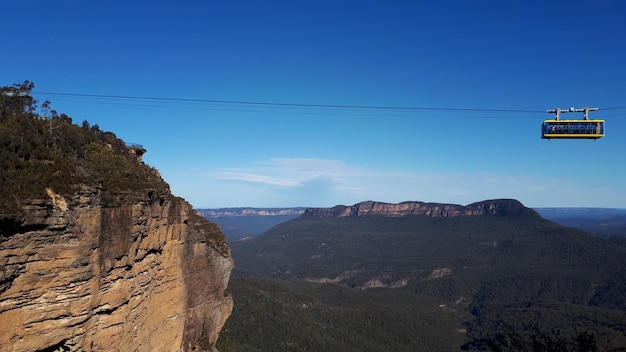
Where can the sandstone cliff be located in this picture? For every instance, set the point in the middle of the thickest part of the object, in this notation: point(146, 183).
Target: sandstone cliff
point(497, 207)
point(75, 275)
point(96, 254)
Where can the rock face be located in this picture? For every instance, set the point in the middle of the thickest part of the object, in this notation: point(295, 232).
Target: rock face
point(497, 207)
point(80, 274)
point(242, 212)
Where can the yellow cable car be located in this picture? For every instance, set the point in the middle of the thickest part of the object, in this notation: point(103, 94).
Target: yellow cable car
point(591, 129)
point(580, 129)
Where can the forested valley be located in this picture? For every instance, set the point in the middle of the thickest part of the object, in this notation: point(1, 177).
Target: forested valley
point(510, 282)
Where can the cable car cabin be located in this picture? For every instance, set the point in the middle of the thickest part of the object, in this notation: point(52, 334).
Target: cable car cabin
point(591, 129)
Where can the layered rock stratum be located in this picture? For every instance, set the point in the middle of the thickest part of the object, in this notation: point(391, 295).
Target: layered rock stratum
point(149, 275)
point(496, 207)
point(96, 254)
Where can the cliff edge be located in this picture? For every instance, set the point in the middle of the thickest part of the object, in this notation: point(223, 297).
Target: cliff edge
point(496, 207)
point(95, 252)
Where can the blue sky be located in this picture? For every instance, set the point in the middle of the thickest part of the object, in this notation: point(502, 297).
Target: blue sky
point(465, 58)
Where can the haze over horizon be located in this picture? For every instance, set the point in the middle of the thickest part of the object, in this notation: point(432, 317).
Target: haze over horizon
point(316, 104)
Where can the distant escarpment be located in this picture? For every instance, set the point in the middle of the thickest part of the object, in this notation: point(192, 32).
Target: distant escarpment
point(497, 207)
point(490, 276)
point(246, 212)
point(96, 254)
point(238, 223)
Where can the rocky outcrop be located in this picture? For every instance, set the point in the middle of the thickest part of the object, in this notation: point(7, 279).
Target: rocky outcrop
point(240, 212)
point(497, 207)
point(80, 274)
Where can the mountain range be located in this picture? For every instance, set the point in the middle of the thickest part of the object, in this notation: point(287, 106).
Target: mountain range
point(488, 276)
point(247, 221)
point(243, 222)
point(601, 221)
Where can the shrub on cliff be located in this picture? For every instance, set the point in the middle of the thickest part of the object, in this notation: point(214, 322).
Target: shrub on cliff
point(41, 149)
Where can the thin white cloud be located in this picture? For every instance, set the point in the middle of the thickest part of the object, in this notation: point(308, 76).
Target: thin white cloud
point(335, 182)
point(254, 178)
point(284, 182)
point(288, 172)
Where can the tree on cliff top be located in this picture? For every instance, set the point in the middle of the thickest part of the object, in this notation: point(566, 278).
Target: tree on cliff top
point(41, 149)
